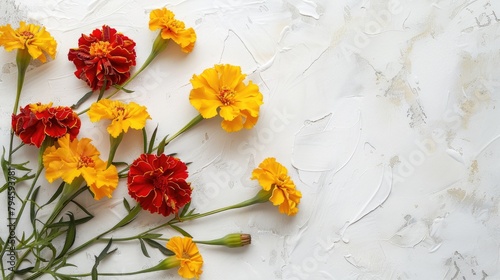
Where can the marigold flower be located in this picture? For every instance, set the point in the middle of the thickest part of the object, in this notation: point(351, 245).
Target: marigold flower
point(221, 90)
point(123, 116)
point(104, 57)
point(187, 253)
point(72, 159)
point(273, 177)
point(34, 38)
point(159, 184)
point(38, 121)
point(172, 29)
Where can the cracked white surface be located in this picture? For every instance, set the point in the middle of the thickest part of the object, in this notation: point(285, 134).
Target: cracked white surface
point(384, 112)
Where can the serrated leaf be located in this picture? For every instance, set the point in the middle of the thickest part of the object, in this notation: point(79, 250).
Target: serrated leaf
point(152, 141)
point(158, 246)
point(82, 100)
point(144, 249)
point(181, 231)
point(70, 236)
point(21, 166)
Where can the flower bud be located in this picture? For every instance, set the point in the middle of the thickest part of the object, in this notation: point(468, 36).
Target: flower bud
point(231, 240)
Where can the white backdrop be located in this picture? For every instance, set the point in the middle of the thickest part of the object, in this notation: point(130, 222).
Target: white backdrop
point(384, 112)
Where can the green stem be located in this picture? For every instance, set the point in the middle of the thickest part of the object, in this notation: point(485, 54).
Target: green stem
point(23, 59)
point(114, 143)
point(261, 197)
point(188, 126)
point(158, 46)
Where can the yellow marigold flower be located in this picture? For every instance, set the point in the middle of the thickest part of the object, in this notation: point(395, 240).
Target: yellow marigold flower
point(273, 177)
point(28, 36)
point(221, 89)
point(123, 116)
point(172, 29)
point(72, 159)
point(187, 254)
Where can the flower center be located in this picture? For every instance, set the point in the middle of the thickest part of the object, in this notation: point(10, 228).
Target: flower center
point(185, 255)
point(85, 161)
point(226, 95)
point(27, 35)
point(99, 49)
point(39, 107)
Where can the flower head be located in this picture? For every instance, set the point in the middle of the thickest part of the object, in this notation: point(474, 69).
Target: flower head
point(72, 159)
point(273, 177)
point(123, 116)
point(104, 57)
point(172, 29)
point(34, 38)
point(187, 253)
point(38, 121)
point(159, 184)
point(221, 90)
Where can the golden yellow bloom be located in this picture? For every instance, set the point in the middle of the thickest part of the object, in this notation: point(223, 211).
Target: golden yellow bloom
point(72, 159)
point(28, 36)
point(172, 29)
point(123, 116)
point(187, 253)
point(273, 177)
point(221, 90)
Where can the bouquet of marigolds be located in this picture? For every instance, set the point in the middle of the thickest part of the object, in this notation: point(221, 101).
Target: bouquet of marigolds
point(68, 166)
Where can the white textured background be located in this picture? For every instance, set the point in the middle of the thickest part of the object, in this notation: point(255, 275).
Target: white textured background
point(384, 112)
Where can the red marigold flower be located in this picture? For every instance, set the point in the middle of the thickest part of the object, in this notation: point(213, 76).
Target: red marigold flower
point(104, 56)
point(37, 121)
point(159, 184)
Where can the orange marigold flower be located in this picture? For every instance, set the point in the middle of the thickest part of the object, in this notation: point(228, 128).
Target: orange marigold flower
point(34, 38)
point(159, 184)
point(273, 177)
point(221, 90)
point(72, 159)
point(172, 29)
point(104, 57)
point(188, 255)
point(38, 121)
point(123, 116)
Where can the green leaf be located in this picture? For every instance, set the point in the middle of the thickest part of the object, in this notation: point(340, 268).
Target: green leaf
point(82, 100)
point(152, 141)
point(126, 204)
point(144, 139)
point(130, 217)
point(158, 246)
point(24, 270)
point(185, 209)
point(32, 206)
point(70, 236)
point(143, 249)
point(56, 194)
point(181, 231)
point(161, 146)
point(104, 253)
point(151, 235)
point(21, 166)
point(122, 88)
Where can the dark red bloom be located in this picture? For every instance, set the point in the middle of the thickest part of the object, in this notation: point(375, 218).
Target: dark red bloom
point(37, 121)
point(103, 56)
point(159, 184)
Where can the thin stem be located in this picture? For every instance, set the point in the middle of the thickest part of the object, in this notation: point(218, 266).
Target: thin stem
point(190, 124)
